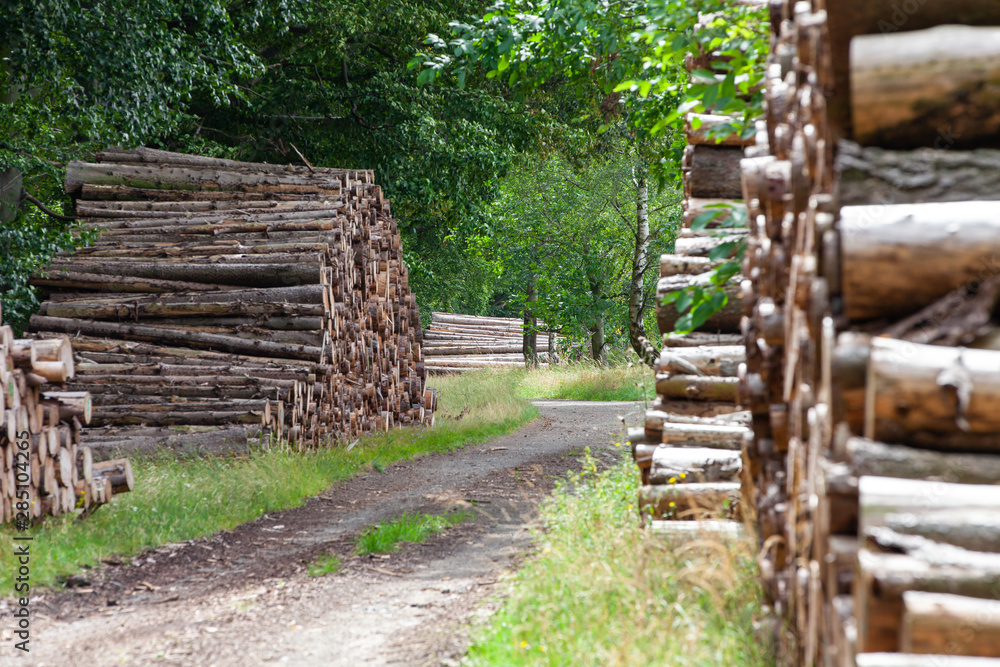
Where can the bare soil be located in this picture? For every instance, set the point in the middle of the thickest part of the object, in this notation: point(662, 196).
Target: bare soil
point(242, 597)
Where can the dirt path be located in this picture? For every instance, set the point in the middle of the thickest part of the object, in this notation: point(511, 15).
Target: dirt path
point(242, 597)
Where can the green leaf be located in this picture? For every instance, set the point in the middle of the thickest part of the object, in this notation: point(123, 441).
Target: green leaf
point(722, 251)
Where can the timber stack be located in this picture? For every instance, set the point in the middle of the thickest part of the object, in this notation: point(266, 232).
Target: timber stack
point(873, 347)
point(455, 343)
point(689, 451)
point(223, 297)
point(40, 426)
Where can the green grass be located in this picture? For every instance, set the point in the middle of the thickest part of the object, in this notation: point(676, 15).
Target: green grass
point(589, 382)
point(387, 535)
point(176, 500)
point(602, 591)
point(324, 565)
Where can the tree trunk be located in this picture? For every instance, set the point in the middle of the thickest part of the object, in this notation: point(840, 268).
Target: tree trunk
point(529, 347)
point(636, 286)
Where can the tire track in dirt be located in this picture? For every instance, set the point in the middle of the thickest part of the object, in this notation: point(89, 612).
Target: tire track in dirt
point(242, 598)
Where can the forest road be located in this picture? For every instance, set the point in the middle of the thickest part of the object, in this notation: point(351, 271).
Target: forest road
point(242, 597)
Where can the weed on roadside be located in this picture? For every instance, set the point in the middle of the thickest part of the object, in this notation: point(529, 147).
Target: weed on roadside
point(324, 565)
point(603, 591)
point(386, 536)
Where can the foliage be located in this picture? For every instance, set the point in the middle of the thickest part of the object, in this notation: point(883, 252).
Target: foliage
point(603, 591)
point(567, 223)
point(324, 565)
point(231, 491)
point(631, 54)
point(387, 535)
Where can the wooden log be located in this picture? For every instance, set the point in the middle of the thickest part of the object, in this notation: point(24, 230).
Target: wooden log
point(180, 178)
point(727, 320)
point(702, 246)
point(181, 442)
point(968, 528)
point(883, 579)
point(699, 338)
point(248, 275)
point(714, 361)
point(71, 404)
point(716, 436)
point(688, 501)
point(867, 457)
point(695, 387)
point(119, 472)
point(962, 317)
point(879, 176)
point(712, 172)
point(686, 465)
point(678, 265)
point(956, 389)
point(161, 335)
point(706, 528)
point(909, 87)
point(951, 243)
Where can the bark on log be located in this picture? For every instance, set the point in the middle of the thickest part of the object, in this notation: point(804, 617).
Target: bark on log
point(707, 360)
point(699, 339)
point(712, 172)
point(878, 17)
point(686, 465)
point(677, 265)
point(245, 275)
point(160, 335)
point(933, 396)
point(908, 88)
point(868, 457)
point(879, 176)
point(695, 207)
point(694, 387)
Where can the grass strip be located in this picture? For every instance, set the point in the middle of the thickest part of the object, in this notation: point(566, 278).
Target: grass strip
point(622, 381)
point(602, 591)
point(386, 536)
point(176, 500)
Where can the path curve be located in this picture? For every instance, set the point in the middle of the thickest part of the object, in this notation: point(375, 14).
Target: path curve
point(241, 597)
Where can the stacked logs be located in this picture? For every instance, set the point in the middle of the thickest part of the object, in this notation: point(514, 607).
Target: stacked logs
point(688, 452)
point(43, 469)
point(222, 297)
point(454, 343)
point(872, 354)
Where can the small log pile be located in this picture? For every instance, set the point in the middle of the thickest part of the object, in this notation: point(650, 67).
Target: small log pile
point(688, 452)
point(454, 343)
point(44, 471)
point(872, 371)
point(222, 296)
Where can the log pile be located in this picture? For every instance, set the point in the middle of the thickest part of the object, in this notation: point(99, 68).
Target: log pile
point(455, 343)
point(222, 296)
point(688, 452)
point(44, 471)
point(872, 359)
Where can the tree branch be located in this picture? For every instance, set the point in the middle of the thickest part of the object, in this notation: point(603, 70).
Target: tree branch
point(45, 209)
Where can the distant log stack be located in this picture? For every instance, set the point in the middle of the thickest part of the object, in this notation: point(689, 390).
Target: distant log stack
point(44, 471)
point(874, 459)
point(222, 297)
point(688, 452)
point(455, 343)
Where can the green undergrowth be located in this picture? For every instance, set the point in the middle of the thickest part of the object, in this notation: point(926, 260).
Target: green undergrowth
point(326, 564)
point(602, 591)
point(386, 536)
point(589, 382)
point(176, 500)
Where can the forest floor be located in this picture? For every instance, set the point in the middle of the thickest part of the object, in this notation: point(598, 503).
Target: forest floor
point(242, 597)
